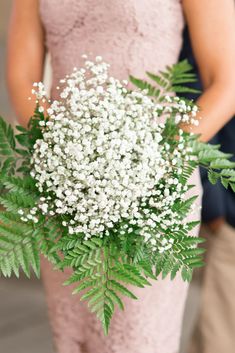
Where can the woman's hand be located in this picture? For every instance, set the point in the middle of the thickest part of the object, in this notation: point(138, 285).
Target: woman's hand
point(25, 56)
point(212, 30)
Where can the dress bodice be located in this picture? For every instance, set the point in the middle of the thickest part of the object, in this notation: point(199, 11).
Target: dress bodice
point(134, 36)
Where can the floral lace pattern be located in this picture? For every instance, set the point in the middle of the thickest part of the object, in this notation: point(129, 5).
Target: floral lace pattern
point(152, 324)
point(135, 36)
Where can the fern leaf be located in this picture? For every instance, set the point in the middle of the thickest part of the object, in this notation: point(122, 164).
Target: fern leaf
point(32, 253)
point(168, 266)
point(96, 297)
point(106, 317)
point(125, 277)
point(115, 298)
point(183, 207)
point(120, 288)
point(186, 274)
point(161, 81)
point(144, 85)
point(90, 293)
point(22, 256)
point(175, 270)
point(13, 201)
point(82, 286)
point(221, 164)
point(97, 307)
point(7, 144)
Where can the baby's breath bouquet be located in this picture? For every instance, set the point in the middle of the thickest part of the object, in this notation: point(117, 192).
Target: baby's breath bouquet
point(98, 183)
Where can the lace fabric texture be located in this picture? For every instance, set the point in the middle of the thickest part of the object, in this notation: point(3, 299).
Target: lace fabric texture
point(134, 36)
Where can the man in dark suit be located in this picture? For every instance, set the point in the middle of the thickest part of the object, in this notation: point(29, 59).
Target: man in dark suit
point(215, 327)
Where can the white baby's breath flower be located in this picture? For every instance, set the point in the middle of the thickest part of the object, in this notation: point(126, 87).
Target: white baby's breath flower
point(101, 157)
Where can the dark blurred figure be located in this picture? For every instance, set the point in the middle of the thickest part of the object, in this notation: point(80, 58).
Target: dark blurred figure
point(215, 327)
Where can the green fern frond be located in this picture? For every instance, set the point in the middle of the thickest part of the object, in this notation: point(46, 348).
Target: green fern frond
point(187, 273)
point(173, 79)
point(215, 161)
point(23, 186)
point(103, 276)
point(183, 207)
point(144, 85)
point(7, 148)
point(13, 201)
point(17, 249)
point(7, 139)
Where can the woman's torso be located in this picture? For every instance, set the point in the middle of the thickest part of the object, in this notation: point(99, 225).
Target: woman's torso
point(134, 36)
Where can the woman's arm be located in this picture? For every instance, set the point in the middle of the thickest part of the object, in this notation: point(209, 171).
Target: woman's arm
point(212, 30)
point(25, 56)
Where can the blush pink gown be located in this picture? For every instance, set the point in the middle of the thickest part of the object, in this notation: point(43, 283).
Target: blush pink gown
point(133, 36)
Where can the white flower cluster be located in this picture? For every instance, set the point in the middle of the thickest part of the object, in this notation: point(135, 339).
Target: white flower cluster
point(101, 152)
point(185, 113)
point(25, 217)
point(102, 157)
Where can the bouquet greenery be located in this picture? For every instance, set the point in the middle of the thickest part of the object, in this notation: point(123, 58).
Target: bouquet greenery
point(98, 183)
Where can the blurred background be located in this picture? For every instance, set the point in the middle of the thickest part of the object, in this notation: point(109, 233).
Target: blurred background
point(24, 325)
point(4, 16)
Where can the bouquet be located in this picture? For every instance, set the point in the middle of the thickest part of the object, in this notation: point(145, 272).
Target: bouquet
point(98, 183)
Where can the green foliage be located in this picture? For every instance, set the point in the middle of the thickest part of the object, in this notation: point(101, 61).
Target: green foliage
point(7, 148)
point(183, 207)
point(18, 248)
point(21, 243)
point(184, 256)
point(173, 79)
point(27, 138)
point(22, 186)
point(106, 270)
point(217, 163)
point(104, 276)
point(144, 85)
point(15, 149)
point(7, 144)
point(18, 193)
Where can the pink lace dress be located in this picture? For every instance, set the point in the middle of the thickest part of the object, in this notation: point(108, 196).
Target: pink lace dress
point(134, 36)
